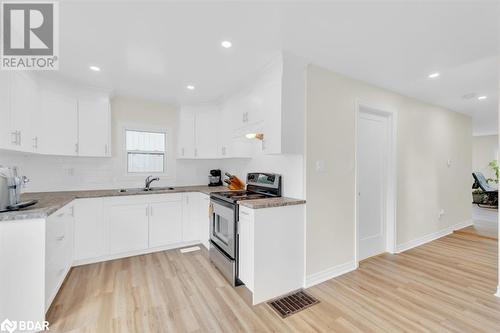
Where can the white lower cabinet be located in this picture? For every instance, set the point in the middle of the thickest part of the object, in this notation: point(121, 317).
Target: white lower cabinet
point(190, 223)
point(204, 218)
point(105, 228)
point(246, 243)
point(127, 227)
point(165, 222)
point(271, 250)
point(58, 251)
point(90, 237)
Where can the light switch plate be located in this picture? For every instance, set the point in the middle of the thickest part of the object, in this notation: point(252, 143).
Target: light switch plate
point(320, 166)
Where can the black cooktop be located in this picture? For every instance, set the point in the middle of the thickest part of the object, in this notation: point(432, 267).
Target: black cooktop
point(235, 196)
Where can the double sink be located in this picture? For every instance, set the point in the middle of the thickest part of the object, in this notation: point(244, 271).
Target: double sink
point(151, 189)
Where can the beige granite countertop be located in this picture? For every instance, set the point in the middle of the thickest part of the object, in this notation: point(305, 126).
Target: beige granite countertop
point(271, 202)
point(50, 202)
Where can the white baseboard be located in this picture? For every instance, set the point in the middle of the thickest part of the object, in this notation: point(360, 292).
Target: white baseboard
point(329, 273)
point(133, 253)
point(498, 291)
point(430, 237)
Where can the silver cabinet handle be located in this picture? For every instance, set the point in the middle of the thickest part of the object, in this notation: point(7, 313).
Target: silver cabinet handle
point(76, 148)
point(19, 137)
point(35, 142)
point(13, 137)
point(73, 211)
point(106, 149)
point(60, 238)
point(182, 151)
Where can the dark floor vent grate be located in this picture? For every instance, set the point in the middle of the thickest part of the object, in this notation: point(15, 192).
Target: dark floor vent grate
point(293, 303)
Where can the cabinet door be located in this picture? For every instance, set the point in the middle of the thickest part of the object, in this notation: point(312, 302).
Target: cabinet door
point(7, 137)
point(245, 265)
point(93, 127)
point(204, 219)
point(90, 237)
point(206, 127)
point(186, 134)
point(60, 127)
point(127, 227)
point(190, 225)
point(24, 104)
point(165, 223)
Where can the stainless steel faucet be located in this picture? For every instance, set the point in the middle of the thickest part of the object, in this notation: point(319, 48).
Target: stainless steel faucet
point(149, 180)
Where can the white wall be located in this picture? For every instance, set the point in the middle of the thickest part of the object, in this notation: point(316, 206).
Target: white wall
point(427, 137)
point(484, 150)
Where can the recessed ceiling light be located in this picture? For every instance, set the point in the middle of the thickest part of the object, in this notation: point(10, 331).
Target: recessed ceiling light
point(190, 87)
point(226, 44)
point(434, 75)
point(482, 97)
point(95, 68)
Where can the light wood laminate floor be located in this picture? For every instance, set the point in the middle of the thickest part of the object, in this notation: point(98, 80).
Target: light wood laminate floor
point(444, 286)
point(480, 231)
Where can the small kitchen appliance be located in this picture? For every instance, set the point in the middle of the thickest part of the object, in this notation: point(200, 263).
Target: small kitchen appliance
point(215, 178)
point(10, 190)
point(224, 210)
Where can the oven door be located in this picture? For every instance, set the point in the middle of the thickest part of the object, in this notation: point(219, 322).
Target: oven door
point(223, 226)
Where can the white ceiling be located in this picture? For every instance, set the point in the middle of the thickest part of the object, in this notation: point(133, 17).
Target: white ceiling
point(154, 49)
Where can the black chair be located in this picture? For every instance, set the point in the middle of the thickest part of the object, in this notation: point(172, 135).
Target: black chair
point(490, 191)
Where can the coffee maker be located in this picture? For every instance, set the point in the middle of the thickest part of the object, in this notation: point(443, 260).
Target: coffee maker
point(215, 178)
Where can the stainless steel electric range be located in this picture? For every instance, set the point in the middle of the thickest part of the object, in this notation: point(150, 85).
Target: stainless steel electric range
point(224, 220)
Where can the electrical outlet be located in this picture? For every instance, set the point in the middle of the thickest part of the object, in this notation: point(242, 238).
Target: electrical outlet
point(441, 213)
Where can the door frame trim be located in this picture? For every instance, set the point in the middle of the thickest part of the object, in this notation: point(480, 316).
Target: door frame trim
point(391, 185)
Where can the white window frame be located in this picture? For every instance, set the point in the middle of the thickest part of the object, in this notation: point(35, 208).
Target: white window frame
point(126, 151)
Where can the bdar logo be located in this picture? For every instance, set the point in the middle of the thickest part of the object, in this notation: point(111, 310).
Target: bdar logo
point(8, 326)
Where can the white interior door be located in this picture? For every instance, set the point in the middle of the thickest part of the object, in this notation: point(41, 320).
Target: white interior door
point(373, 132)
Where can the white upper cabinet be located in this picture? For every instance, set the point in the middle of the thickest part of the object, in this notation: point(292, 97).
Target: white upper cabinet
point(198, 127)
point(186, 131)
point(94, 119)
point(60, 124)
point(46, 121)
point(272, 104)
point(229, 145)
point(206, 128)
point(7, 137)
point(23, 105)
